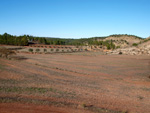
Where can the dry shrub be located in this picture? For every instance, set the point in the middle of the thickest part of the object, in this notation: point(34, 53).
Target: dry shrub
point(5, 53)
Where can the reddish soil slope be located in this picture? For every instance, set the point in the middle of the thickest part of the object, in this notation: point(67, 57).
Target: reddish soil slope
point(86, 82)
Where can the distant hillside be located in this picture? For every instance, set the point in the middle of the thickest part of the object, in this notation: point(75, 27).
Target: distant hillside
point(145, 43)
point(139, 47)
point(123, 40)
point(109, 42)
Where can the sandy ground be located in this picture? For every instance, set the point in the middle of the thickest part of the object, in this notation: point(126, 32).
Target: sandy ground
point(75, 82)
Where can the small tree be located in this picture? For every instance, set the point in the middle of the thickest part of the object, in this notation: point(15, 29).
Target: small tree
point(57, 50)
point(45, 50)
point(134, 44)
point(85, 49)
point(37, 50)
point(120, 53)
point(24, 41)
point(108, 46)
point(117, 47)
point(30, 50)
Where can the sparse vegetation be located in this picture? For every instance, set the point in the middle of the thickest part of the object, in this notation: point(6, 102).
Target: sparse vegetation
point(140, 97)
point(120, 35)
point(22, 90)
point(83, 105)
point(117, 47)
point(1, 66)
point(124, 111)
point(146, 40)
point(42, 80)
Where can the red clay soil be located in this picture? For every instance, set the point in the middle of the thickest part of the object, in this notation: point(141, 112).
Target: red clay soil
point(31, 108)
point(113, 82)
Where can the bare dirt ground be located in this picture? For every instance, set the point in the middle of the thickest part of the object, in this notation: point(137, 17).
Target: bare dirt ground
point(75, 83)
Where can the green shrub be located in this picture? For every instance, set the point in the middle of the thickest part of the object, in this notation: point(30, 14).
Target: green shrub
point(85, 49)
point(30, 50)
point(45, 50)
point(108, 47)
point(57, 50)
point(117, 47)
point(84, 105)
point(120, 53)
point(134, 44)
point(37, 50)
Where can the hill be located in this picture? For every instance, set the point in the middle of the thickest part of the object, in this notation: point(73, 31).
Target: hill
point(140, 48)
point(145, 43)
point(124, 40)
point(111, 42)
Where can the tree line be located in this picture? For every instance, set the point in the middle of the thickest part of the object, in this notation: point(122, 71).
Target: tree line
point(108, 43)
point(25, 40)
point(120, 35)
point(13, 40)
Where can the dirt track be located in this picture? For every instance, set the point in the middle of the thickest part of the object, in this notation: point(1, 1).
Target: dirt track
point(83, 81)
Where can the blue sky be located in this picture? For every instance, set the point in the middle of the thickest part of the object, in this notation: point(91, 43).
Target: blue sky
point(75, 18)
